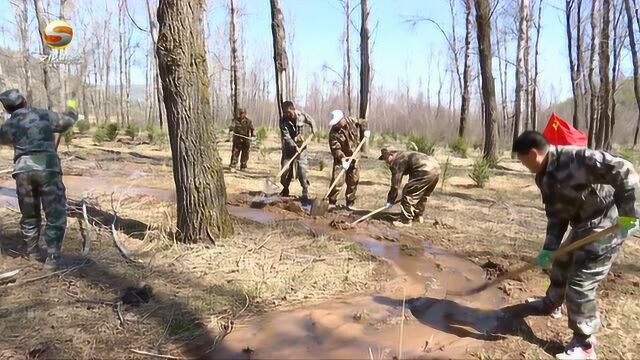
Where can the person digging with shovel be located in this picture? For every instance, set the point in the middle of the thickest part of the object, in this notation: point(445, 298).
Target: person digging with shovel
point(345, 135)
point(589, 190)
point(292, 125)
point(424, 173)
point(37, 171)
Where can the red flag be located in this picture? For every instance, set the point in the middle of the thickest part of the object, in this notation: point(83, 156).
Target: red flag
point(559, 132)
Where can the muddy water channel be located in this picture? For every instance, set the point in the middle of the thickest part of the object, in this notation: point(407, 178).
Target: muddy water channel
point(355, 326)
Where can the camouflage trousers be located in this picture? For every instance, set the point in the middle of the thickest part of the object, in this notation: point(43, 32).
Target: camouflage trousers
point(351, 177)
point(36, 190)
point(297, 169)
point(576, 276)
point(241, 146)
point(416, 191)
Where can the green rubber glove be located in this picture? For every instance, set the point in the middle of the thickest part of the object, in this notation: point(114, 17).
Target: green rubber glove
point(544, 258)
point(628, 225)
point(72, 104)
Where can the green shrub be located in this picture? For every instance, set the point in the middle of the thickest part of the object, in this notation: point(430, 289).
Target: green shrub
point(112, 131)
point(322, 135)
point(156, 135)
point(628, 154)
point(261, 134)
point(100, 135)
point(132, 131)
point(459, 147)
point(445, 171)
point(480, 172)
point(68, 136)
point(83, 126)
point(418, 143)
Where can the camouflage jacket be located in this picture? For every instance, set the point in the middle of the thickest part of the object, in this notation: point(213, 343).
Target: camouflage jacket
point(30, 131)
point(343, 141)
point(580, 185)
point(409, 163)
point(243, 127)
point(290, 129)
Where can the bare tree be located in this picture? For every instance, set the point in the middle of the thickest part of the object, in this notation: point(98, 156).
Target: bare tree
point(605, 83)
point(636, 66)
point(534, 90)
point(466, 77)
point(22, 20)
point(42, 24)
point(233, 44)
point(502, 72)
point(617, 49)
point(483, 23)
point(153, 32)
point(365, 66)
point(121, 62)
point(200, 188)
point(279, 54)
point(593, 109)
point(574, 60)
point(346, 5)
point(523, 35)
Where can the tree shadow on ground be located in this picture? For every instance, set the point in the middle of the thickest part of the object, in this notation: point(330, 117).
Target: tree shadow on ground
point(464, 321)
point(98, 217)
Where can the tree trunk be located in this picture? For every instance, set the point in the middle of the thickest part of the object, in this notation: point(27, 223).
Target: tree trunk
point(636, 66)
point(592, 65)
point(617, 49)
point(22, 19)
point(502, 72)
point(347, 33)
point(233, 43)
point(574, 60)
point(365, 66)
point(466, 74)
point(519, 110)
point(42, 24)
point(534, 92)
point(200, 188)
point(483, 21)
point(153, 31)
point(121, 65)
point(279, 54)
point(605, 84)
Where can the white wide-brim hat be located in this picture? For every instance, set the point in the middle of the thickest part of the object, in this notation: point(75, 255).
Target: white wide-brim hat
point(335, 117)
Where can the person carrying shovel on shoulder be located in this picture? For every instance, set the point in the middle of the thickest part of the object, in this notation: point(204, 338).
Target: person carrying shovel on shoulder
point(590, 190)
point(243, 133)
point(423, 171)
point(345, 135)
point(37, 171)
point(292, 126)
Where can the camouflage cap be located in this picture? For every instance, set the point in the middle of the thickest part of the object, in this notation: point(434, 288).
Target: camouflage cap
point(386, 150)
point(11, 98)
point(242, 111)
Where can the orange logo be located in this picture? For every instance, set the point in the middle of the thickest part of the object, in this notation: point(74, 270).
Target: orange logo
point(555, 125)
point(58, 34)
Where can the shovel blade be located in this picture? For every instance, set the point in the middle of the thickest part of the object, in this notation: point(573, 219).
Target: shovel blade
point(270, 187)
point(319, 207)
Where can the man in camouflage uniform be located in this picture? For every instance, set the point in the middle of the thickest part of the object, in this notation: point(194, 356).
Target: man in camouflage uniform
point(587, 189)
point(37, 171)
point(423, 171)
point(345, 135)
point(242, 132)
point(292, 125)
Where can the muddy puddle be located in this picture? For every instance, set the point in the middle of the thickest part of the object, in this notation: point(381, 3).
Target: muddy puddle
point(360, 326)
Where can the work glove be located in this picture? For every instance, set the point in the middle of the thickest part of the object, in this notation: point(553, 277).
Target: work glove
point(628, 226)
point(346, 164)
point(72, 104)
point(544, 258)
point(367, 134)
point(388, 205)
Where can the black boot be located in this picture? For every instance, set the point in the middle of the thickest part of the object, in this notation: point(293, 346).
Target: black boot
point(284, 192)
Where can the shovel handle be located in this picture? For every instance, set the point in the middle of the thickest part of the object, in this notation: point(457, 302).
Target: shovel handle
point(335, 181)
point(369, 215)
point(561, 251)
point(286, 166)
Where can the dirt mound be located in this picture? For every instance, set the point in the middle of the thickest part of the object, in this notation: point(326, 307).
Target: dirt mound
point(493, 270)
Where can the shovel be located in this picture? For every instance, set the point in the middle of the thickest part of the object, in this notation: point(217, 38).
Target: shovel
point(369, 215)
point(242, 136)
point(561, 251)
point(320, 207)
point(270, 186)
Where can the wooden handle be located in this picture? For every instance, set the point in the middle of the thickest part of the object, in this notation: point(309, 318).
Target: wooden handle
point(335, 181)
point(369, 215)
point(286, 166)
point(561, 251)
